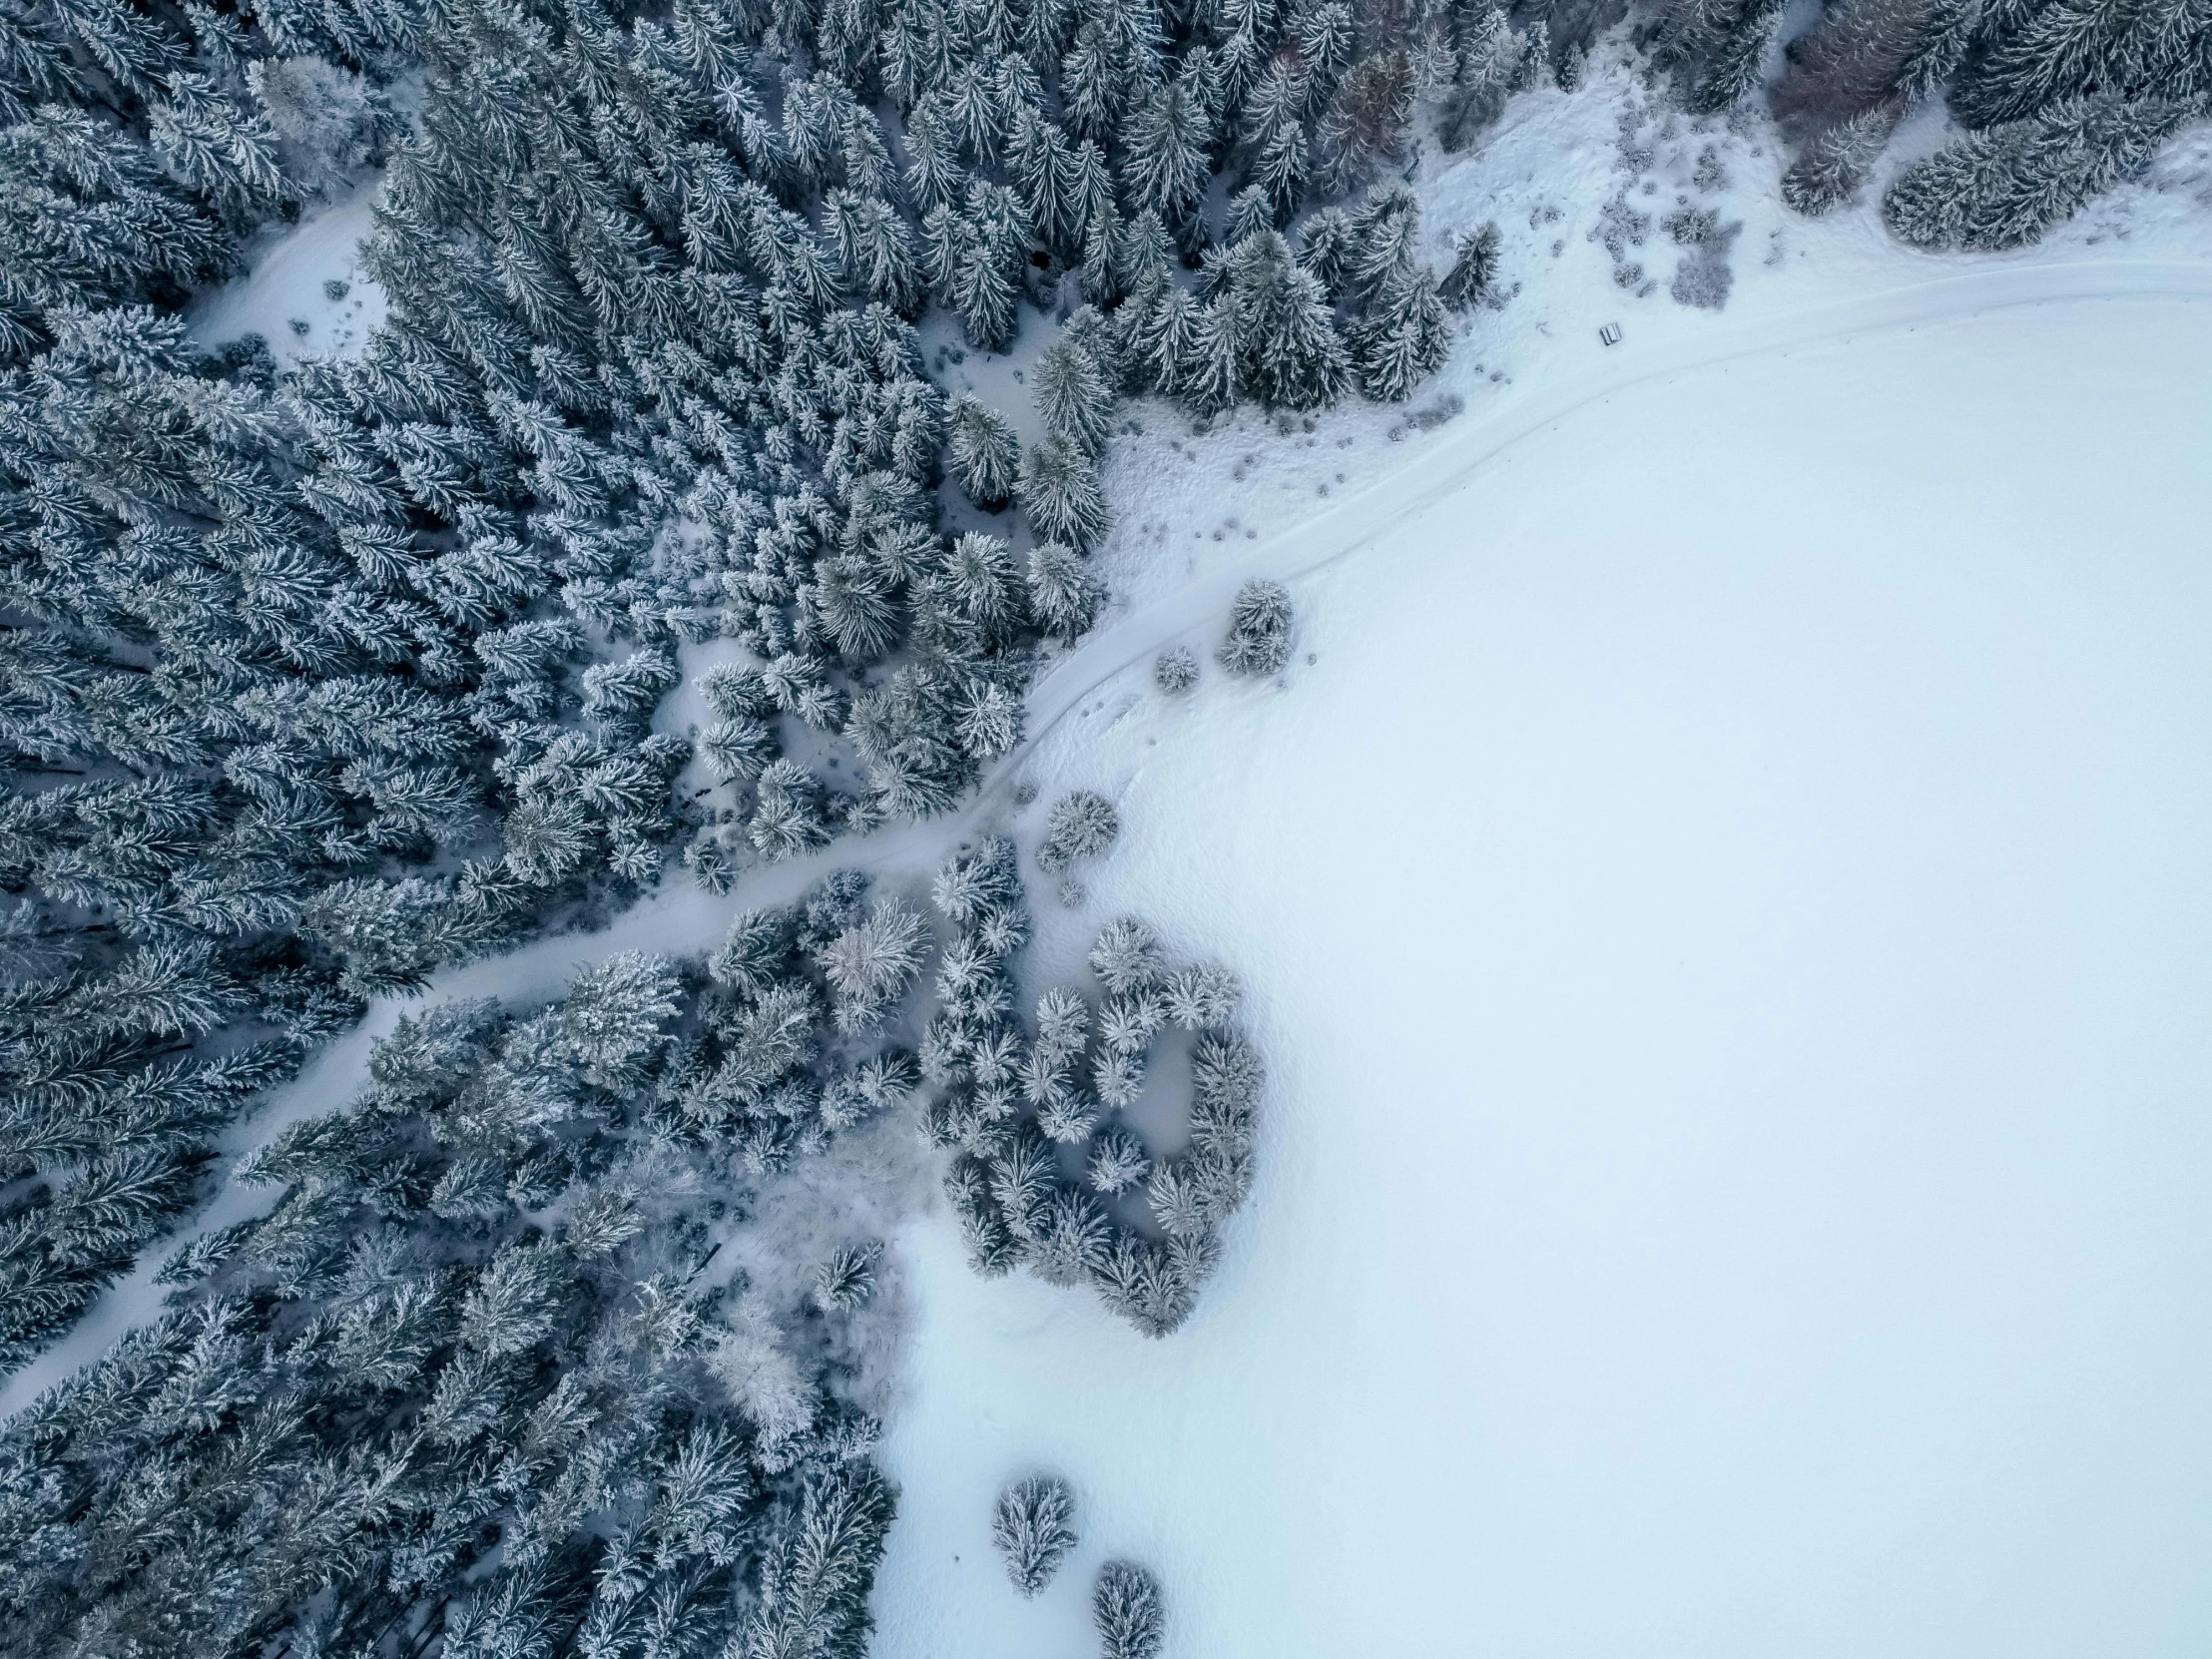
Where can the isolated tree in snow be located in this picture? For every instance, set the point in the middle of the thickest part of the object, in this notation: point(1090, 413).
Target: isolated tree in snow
point(1125, 1606)
point(1033, 1526)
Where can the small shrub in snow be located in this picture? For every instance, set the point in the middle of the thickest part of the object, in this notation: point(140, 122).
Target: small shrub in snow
point(1176, 671)
point(1703, 279)
point(1082, 824)
point(1124, 1605)
point(1034, 1529)
point(1692, 226)
point(1259, 639)
point(847, 1279)
point(335, 288)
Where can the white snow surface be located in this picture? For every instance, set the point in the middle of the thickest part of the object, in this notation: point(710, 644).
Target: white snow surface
point(1721, 892)
point(285, 270)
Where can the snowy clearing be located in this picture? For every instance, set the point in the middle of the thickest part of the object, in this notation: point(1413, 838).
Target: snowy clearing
point(1725, 909)
point(287, 268)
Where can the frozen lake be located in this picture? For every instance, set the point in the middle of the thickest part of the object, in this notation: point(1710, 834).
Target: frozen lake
point(1727, 917)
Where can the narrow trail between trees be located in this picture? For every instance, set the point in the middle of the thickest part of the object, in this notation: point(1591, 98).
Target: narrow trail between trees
point(681, 918)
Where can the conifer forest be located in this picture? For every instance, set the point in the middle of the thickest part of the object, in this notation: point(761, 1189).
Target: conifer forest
point(571, 1325)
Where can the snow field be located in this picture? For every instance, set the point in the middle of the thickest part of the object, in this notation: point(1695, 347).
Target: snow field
point(1725, 912)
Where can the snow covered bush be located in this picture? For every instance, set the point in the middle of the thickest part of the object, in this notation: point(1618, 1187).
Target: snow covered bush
point(1175, 671)
point(1125, 1606)
point(1081, 824)
point(1259, 638)
point(1033, 1526)
point(1703, 279)
point(1005, 1098)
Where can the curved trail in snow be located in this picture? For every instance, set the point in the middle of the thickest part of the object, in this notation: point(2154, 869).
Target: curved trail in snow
point(681, 918)
point(1448, 463)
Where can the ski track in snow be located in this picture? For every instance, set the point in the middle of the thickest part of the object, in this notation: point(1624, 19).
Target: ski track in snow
point(681, 918)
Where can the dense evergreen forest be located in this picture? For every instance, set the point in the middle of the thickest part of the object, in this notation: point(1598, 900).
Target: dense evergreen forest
point(312, 682)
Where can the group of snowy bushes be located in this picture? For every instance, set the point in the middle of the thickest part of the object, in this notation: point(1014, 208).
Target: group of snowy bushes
point(1033, 1526)
point(1044, 1175)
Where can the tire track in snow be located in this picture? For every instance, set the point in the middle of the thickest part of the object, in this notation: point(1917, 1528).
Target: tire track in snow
point(681, 918)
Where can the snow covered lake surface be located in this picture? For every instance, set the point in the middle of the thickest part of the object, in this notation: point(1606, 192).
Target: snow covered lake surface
point(1726, 908)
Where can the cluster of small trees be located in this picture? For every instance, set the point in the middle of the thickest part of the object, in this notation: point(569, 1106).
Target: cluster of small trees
point(467, 1378)
point(1259, 639)
point(1044, 1175)
point(2063, 98)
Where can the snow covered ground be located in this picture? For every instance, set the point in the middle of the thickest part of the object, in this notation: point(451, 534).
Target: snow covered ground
point(284, 284)
point(1723, 895)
